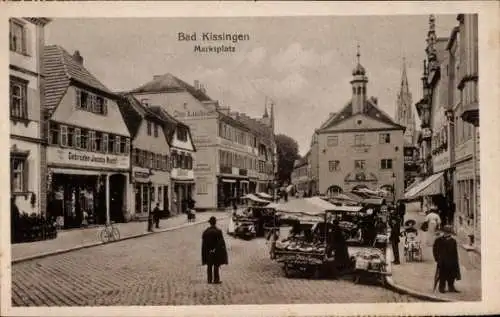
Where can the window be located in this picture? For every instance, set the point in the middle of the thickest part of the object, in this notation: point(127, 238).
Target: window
point(384, 138)
point(141, 158)
point(19, 174)
point(54, 132)
point(386, 164)
point(156, 130)
point(85, 140)
point(359, 139)
point(150, 160)
point(333, 165)
point(173, 160)
point(149, 128)
point(359, 164)
point(116, 149)
point(18, 98)
point(111, 144)
point(135, 157)
point(77, 135)
point(98, 141)
point(182, 134)
point(221, 128)
point(90, 102)
point(17, 35)
point(92, 141)
point(71, 139)
point(64, 136)
point(123, 145)
point(105, 143)
point(332, 140)
point(158, 161)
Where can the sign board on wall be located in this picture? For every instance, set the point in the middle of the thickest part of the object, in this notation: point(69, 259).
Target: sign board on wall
point(199, 113)
point(80, 159)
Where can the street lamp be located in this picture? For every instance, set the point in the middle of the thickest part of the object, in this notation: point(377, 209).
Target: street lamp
point(394, 187)
point(150, 216)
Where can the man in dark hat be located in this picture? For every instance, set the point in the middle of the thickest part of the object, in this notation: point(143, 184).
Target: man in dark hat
point(394, 237)
point(213, 251)
point(446, 255)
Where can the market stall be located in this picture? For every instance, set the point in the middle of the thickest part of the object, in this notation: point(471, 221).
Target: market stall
point(304, 249)
point(242, 224)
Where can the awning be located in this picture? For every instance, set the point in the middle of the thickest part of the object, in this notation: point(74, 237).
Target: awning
point(225, 180)
point(254, 198)
point(432, 185)
point(264, 195)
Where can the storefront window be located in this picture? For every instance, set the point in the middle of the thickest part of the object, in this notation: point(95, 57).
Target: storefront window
point(145, 198)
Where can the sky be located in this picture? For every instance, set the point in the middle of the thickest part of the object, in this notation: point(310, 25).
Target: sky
point(302, 64)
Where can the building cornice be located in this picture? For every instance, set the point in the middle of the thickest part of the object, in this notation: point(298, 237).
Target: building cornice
point(25, 71)
point(361, 130)
point(39, 20)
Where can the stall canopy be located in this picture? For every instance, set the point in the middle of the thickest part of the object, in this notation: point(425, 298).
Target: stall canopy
point(264, 195)
point(312, 207)
point(256, 199)
point(432, 185)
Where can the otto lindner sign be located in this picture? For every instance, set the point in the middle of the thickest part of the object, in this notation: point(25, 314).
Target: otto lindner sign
point(86, 159)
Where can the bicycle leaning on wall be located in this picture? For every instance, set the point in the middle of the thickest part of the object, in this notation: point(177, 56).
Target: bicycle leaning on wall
point(109, 233)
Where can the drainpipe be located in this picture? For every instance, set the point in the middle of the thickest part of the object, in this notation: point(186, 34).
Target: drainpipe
point(474, 187)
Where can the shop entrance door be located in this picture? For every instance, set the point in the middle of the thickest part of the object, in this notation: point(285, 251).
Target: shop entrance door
point(116, 195)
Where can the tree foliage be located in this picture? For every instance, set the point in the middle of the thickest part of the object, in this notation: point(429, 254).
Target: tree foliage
point(288, 151)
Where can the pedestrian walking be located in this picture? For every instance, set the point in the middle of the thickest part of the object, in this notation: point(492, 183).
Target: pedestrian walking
point(394, 237)
point(213, 251)
point(401, 211)
point(156, 215)
point(447, 265)
point(433, 222)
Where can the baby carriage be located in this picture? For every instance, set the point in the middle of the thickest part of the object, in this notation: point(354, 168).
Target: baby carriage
point(412, 246)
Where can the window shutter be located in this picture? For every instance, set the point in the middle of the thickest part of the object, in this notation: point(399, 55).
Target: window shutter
point(26, 41)
point(26, 175)
point(127, 146)
point(78, 94)
point(24, 101)
point(105, 107)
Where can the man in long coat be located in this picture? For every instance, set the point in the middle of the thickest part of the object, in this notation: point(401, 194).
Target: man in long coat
point(446, 255)
point(394, 237)
point(213, 251)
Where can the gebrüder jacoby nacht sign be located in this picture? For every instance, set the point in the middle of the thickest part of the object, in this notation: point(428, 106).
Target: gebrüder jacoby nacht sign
point(87, 159)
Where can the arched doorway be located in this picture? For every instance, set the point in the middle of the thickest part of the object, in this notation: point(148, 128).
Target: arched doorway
point(334, 190)
point(358, 187)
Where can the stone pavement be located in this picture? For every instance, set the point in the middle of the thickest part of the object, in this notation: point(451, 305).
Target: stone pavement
point(68, 240)
point(418, 277)
point(165, 269)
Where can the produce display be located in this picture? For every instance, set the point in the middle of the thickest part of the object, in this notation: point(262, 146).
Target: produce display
point(370, 260)
point(299, 252)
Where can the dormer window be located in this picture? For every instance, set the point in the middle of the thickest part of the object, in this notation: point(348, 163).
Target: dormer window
point(91, 102)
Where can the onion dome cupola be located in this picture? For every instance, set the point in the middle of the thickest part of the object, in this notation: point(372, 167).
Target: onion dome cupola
point(358, 83)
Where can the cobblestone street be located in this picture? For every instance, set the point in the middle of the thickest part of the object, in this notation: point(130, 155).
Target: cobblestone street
point(165, 269)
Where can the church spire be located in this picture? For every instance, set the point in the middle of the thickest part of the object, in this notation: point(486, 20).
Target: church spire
point(266, 115)
point(404, 112)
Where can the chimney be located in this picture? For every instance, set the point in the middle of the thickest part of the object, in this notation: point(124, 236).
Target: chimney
point(78, 58)
point(197, 84)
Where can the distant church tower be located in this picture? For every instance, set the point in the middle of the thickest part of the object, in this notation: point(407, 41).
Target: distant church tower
point(404, 113)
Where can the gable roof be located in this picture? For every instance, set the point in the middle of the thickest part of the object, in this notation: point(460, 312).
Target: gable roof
point(171, 124)
point(169, 82)
point(371, 111)
point(134, 113)
point(60, 70)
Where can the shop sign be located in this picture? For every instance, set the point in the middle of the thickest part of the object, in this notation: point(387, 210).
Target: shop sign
point(441, 162)
point(198, 113)
point(57, 155)
point(141, 175)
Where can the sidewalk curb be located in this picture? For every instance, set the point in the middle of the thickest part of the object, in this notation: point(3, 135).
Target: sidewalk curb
point(407, 291)
point(97, 243)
